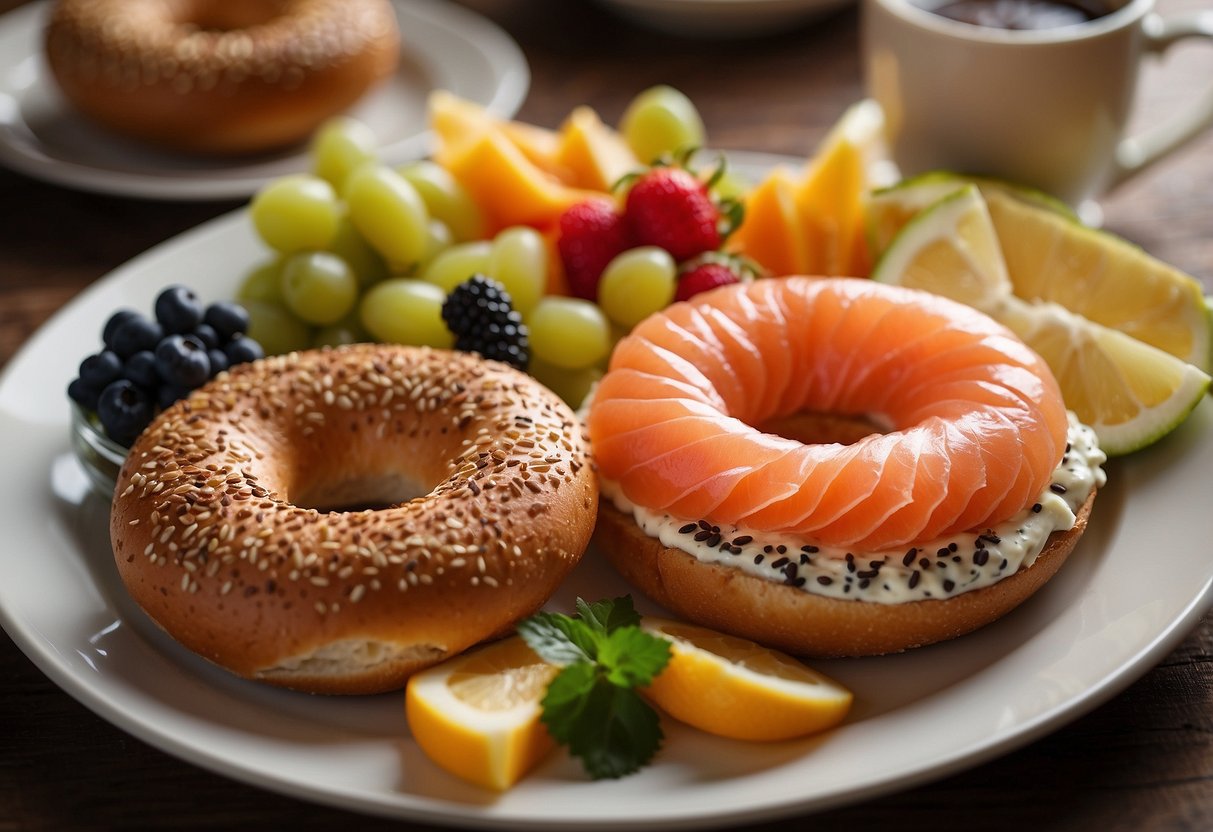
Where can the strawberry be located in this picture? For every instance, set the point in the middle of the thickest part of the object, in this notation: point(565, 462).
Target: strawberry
point(670, 208)
point(703, 274)
point(591, 234)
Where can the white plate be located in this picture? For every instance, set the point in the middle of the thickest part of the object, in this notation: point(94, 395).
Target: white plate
point(723, 18)
point(1136, 584)
point(444, 47)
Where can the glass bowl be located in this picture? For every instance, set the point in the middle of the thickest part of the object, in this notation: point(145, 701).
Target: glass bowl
point(99, 456)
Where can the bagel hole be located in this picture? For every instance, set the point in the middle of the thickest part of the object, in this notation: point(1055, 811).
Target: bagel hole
point(825, 428)
point(368, 493)
point(210, 16)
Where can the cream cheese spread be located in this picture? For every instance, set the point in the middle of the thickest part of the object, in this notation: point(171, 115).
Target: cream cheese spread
point(941, 568)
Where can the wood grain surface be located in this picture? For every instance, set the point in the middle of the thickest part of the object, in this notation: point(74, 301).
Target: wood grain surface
point(1142, 761)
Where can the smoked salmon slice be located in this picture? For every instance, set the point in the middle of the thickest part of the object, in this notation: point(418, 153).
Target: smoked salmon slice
point(977, 420)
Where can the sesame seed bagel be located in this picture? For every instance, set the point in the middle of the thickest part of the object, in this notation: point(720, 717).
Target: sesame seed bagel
point(790, 619)
point(215, 76)
point(241, 523)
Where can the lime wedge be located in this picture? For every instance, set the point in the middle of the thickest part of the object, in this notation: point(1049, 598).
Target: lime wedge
point(1130, 393)
point(889, 209)
point(1102, 277)
point(951, 249)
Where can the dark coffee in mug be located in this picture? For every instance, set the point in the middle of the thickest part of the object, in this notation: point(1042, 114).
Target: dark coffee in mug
point(1020, 14)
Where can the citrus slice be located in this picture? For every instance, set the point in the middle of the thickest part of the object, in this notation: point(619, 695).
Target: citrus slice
point(951, 249)
point(735, 688)
point(889, 209)
point(1130, 393)
point(1051, 256)
point(477, 715)
point(1102, 277)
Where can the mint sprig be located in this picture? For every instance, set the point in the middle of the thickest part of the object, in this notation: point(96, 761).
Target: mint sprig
point(592, 705)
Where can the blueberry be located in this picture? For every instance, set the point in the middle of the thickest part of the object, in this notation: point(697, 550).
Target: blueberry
point(181, 360)
point(178, 309)
point(219, 361)
point(124, 410)
point(228, 318)
point(100, 369)
point(115, 320)
point(242, 348)
point(83, 394)
point(134, 334)
point(141, 369)
point(166, 394)
point(207, 335)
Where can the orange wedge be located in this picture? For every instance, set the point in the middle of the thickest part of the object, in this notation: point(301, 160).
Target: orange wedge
point(594, 155)
point(825, 217)
point(477, 715)
point(735, 688)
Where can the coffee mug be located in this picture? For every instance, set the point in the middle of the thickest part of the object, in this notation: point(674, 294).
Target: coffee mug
point(1044, 107)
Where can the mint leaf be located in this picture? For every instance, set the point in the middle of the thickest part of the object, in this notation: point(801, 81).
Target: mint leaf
point(615, 733)
point(566, 698)
point(591, 705)
point(607, 616)
point(558, 639)
point(632, 657)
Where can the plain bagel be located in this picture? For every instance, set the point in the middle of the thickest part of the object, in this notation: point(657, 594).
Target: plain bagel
point(217, 76)
point(222, 529)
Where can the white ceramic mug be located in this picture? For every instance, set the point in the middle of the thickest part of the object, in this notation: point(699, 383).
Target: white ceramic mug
point(1044, 107)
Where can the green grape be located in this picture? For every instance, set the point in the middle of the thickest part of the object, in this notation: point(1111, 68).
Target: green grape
point(637, 283)
point(276, 328)
point(438, 239)
point(661, 121)
point(519, 262)
point(446, 198)
point(457, 264)
point(348, 330)
point(335, 336)
point(364, 261)
point(405, 311)
point(264, 282)
point(318, 286)
point(296, 213)
point(571, 385)
point(568, 332)
point(389, 213)
point(341, 145)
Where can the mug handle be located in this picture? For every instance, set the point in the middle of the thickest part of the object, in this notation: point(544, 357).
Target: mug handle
point(1135, 154)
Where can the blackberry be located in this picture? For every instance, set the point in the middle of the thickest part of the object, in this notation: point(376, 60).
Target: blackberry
point(480, 314)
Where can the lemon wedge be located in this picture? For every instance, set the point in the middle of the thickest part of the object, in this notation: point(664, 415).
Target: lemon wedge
point(735, 688)
point(949, 249)
point(888, 209)
point(1051, 256)
point(1103, 278)
point(477, 715)
point(1130, 392)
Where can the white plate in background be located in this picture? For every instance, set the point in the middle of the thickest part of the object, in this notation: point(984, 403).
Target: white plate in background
point(443, 46)
point(1138, 581)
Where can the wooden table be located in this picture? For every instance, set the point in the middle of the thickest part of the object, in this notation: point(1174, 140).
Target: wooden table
point(1144, 760)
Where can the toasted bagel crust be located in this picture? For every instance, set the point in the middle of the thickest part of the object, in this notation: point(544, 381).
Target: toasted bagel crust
point(220, 529)
point(799, 622)
point(215, 76)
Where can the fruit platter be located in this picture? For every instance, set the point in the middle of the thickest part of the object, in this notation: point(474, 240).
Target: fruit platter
point(581, 262)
